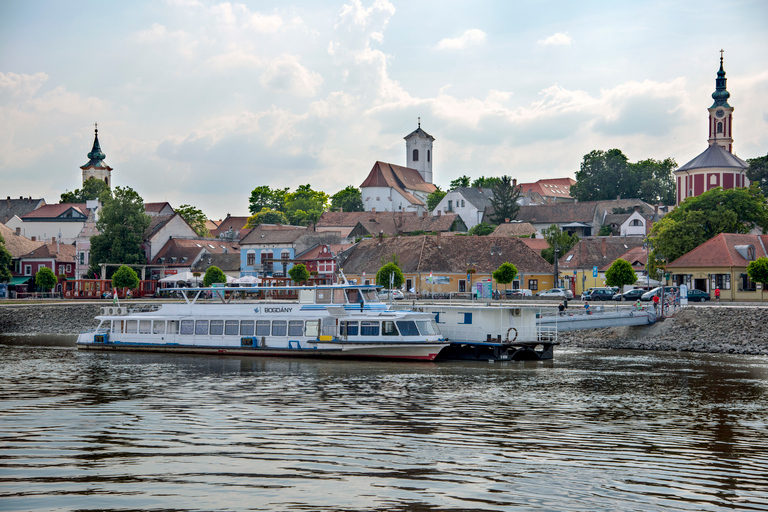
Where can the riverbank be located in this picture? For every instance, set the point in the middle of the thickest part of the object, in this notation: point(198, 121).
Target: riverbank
point(721, 330)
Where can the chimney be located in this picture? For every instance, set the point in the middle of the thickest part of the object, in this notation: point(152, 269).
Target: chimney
point(18, 231)
point(603, 247)
point(506, 220)
point(439, 212)
point(514, 182)
point(438, 240)
point(34, 239)
point(373, 210)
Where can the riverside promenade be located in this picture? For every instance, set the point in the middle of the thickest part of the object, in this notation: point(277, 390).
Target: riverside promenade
point(741, 329)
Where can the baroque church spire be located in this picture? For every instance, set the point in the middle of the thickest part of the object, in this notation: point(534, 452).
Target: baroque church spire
point(720, 95)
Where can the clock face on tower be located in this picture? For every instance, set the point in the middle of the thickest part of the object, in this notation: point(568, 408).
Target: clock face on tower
point(720, 112)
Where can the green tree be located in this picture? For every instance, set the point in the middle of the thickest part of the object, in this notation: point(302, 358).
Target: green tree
point(121, 224)
point(125, 277)
point(265, 197)
point(758, 273)
point(266, 216)
point(606, 175)
point(349, 199)
point(757, 172)
point(384, 273)
point(605, 231)
point(92, 189)
point(620, 274)
point(464, 181)
point(305, 205)
point(299, 273)
point(482, 229)
point(505, 274)
point(45, 279)
point(483, 182)
point(434, 199)
point(504, 200)
point(5, 262)
point(214, 275)
point(698, 219)
point(565, 242)
point(195, 218)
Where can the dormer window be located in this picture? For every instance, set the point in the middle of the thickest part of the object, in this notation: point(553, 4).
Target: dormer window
point(183, 259)
point(160, 260)
point(415, 155)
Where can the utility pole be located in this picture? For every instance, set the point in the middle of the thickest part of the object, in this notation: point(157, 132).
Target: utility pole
point(557, 275)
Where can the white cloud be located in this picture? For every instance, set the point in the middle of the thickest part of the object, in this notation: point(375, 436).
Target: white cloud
point(470, 37)
point(16, 85)
point(285, 74)
point(234, 58)
point(558, 39)
point(182, 40)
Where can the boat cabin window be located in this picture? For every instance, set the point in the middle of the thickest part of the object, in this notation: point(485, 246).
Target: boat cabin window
point(132, 326)
point(388, 328)
point(279, 327)
point(217, 327)
point(323, 296)
point(370, 295)
point(118, 325)
point(296, 328)
point(353, 296)
point(262, 328)
point(246, 328)
point(426, 327)
point(145, 327)
point(306, 296)
point(173, 327)
point(348, 328)
point(407, 327)
point(158, 327)
point(187, 327)
point(312, 328)
point(201, 327)
point(369, 328)
point(338, 296)
point(230, 328)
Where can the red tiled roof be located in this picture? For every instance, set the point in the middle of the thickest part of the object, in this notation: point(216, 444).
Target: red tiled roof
point(63, 253)
point(52, 211)
point(720, 251)
point(554, 187)
point(399, 178)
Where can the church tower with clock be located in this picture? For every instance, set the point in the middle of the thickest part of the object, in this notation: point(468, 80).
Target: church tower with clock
point(721, 113)
point(717, 166)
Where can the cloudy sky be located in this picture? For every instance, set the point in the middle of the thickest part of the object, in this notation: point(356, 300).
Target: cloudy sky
point(200, 101)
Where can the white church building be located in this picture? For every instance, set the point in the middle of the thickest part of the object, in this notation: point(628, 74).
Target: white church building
point(391, 187)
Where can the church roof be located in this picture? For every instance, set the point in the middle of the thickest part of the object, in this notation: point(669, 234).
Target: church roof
point(399, 178)
point(420, 133)
point(96, 156)
point(715, 156)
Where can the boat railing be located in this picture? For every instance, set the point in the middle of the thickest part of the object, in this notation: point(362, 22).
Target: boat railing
point(509, 335)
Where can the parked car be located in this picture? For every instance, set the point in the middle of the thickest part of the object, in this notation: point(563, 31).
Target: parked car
point(518, 293)
point(698, 296)
point(586, 293)
point(600, 294)
point(396, 294)
point(668, 290)
point(630, 294)
point(568, 293)
point(552, 293)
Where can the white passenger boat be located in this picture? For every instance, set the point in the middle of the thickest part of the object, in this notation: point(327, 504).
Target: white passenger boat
point(346, 321)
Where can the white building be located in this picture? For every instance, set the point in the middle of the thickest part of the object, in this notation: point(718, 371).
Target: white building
point(418, 152)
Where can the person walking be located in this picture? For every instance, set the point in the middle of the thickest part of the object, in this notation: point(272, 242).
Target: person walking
point(561, 308)
point(656, 304)
point(717, 294)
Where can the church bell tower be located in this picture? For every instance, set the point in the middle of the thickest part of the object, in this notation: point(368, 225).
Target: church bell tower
point(96, 168)
point(721, 113)
point(418, 152)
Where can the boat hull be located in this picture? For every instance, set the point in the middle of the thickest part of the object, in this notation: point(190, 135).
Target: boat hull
point(393, 351)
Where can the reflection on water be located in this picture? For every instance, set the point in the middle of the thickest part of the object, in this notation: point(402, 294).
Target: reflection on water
point(591, 430)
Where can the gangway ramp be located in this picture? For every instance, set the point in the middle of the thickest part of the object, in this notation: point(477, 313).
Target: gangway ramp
point(597, 319)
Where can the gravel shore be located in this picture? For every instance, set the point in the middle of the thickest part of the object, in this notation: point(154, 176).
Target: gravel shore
point(733, 330)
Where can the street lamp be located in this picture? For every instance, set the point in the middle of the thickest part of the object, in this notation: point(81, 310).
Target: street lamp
point(648, 246)
point(557, 272)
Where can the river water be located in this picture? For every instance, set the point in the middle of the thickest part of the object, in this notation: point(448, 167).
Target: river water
point(590, 430)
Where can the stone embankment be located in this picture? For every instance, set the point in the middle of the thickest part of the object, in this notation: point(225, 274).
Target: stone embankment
point(695, 329)
point(725, 330)
point(47, 318)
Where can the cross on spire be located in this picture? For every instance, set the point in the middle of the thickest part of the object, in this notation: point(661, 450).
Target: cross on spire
point(419, 121)
point(721, 55)
point(96, 126)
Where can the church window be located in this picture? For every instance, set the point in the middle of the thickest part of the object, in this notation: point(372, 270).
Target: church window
point(415, 155)
point(720, 127)
point(713, 179)
point(429, 155)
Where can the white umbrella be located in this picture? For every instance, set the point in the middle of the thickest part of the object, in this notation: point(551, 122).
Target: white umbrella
point(644, 281)
point(248, 280)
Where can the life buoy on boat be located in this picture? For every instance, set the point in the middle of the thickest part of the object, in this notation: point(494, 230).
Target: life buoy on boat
point(513, 339)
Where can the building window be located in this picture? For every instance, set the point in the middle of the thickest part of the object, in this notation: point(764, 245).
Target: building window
point(285, 256)
point(720, 127)
point(429, 156)
point(415, 155)
point(635, 222)
point(450, 205)
point(462, 203)
point(27, 270)
point(250, 259)
point(266, 263)
point(533, 284)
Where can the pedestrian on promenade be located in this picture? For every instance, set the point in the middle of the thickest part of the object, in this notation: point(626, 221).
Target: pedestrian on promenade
point(561, 308)
point(586, 308)
point(656, 304)
point(717, 294)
